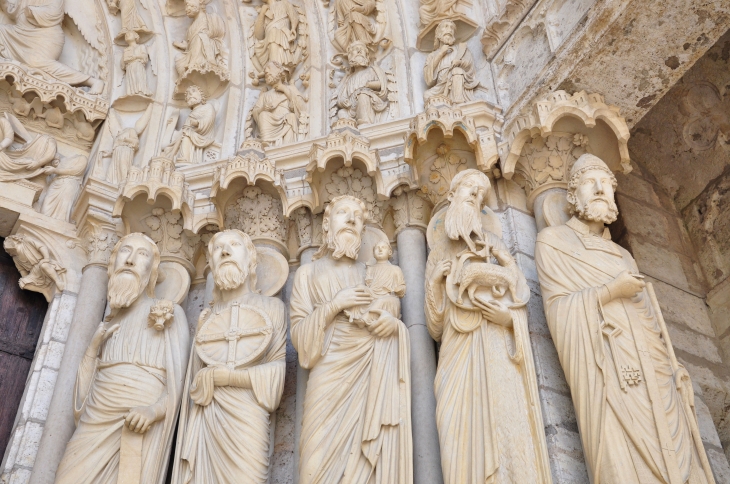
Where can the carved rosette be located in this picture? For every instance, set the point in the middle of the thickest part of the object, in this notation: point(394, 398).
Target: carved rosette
point(410, 209)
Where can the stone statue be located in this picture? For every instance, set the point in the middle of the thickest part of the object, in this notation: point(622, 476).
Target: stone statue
point(35, 38)
point(356, 426)
point(634, 404)
point(130, 380)
point(278, 110)
point(275, 31)
point(131, 20)
point(449, 71)
point(203, 48)
point(61, 193)
point(432, 10)
point(197, 133)
point(363, 92)
point(134, 65)
point(236, 374)
point(126, 144)
point(29, 160)
point(354, 22)
point(34, 263)
point(487, 406)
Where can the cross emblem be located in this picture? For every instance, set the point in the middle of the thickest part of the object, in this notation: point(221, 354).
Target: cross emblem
point(630, 375)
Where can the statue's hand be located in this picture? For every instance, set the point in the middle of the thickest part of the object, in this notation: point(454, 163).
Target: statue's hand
point(385, 325)
point(101, 335)
point(139, 419)
point(441, 271)
point(684, 385)
point(625, 286)
point(351, 297)
point(495, 312)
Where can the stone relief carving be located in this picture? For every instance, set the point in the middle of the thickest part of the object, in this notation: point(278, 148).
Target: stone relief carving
point(131, 21)
point(411, 208)
point(130, 380)
point(125, 145)
point(35, 37)
point(236, 375)
point(708, 124)
point(443, 169)
point(258, 214)
point(98, 241)
point(304, 224)
point(280, 34)
point(198, 131)
point(449, 71)
point(368, 440)
point(280, 114)
point(505, 422)
point(166, 229)
point(65, 186)
point(30, 159)
point(352, 181)
point(363, 21)
point(134, 65)
point(34, 262)
point(204, 59)
point(366, 91)
point(614, 346)
point(501, 23)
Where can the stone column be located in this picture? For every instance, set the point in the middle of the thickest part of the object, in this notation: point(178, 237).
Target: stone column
point(88, 314)
point(426, 452)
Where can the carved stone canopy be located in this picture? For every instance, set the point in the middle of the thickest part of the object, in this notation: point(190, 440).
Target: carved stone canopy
point(465, 28)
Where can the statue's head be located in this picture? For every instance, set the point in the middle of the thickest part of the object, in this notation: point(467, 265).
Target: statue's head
point(446, 33)
point(358, 54)
point(467, 197)
point(131, 37)
point(232, 259)
point(133, 266)
point(590, 190)
point(274, 72)
point(342, 227)
point(382, 251)
point(12, 242)
point(193, 7)
point(194, 96)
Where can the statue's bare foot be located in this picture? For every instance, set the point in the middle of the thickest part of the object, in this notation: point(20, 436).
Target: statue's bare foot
point(96, 86)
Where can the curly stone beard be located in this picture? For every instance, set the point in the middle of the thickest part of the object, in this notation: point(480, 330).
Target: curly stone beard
point(595, 211)
point(125, 287)
point(462, 220)
point(345, 242)
point(229, 275)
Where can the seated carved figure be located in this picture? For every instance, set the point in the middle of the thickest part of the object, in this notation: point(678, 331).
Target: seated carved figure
point(35, 38)
point(197, 133)
point(34, 263)
point(277, 110)
point(29, 160)
point(449, 71)
point(202, 49)
point(363, 92)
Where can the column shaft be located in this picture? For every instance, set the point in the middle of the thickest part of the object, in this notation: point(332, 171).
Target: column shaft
point(426, 450)
point(60, 423)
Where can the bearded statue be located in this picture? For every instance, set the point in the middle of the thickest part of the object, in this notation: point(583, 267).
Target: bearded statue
point(130, 381)
point(235, 376)
point(613, 346)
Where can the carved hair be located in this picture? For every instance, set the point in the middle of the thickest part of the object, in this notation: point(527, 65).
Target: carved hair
point(250, 248)
point(462, 175)
point(203, 99)
point(583, 164)
point(155, 260)
point(440, 29)
point(324, 248)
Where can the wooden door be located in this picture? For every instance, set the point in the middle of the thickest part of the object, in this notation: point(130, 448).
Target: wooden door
point(21, 320)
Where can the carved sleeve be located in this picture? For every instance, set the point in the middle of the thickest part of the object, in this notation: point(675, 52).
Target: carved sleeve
point(435, 308)
point(267, 379)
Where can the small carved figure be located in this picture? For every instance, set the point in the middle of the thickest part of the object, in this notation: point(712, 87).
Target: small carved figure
point(131, 20)
point(61, 193)
point(34, 263)
point(355, 23)
point(126, 143)
point(130, 379)
point(203, 49)
point(30, 159)
point(134, 63)
point(35, 38)
point(363, 92)
point(449, 71)
point(277, 111)
point(197, 133)
point(432, 10)
point(497, 276)
point(275, 31)
point(236, 375)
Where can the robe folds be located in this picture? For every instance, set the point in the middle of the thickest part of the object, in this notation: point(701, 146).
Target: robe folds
point(622, 431)
point(445, 79)
point(228, 440)
point(123, 150)
point(356, 427)
point(137, 366)
point(277, 116)
point(195, 139)
point(28, 161)
point(204, 40)
point(362, 103)
point(63, 189)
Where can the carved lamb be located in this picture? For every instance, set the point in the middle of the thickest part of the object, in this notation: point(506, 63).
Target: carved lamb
point(483, 274)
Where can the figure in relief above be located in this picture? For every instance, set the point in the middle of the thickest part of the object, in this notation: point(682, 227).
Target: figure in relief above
point(134, 65)
point(449, 71)
point(277, 111)
point(34, 262)
point(487, 405)
point(634, 403)
point(235, 375)
point(363, 93)
point(129, 383)
point(126, 144)
point(30, 159)
point(356, 426)
point(275, 31)
point(35, 38)
point(61, 193)
point(197, 133)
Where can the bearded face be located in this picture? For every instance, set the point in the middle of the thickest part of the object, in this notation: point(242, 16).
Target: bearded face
point(592, 198)
point(132, 272)
point(229, 275)
point(357, 55)
point(125, 286)
point(192, 8)
point(344, 229)
point(463, 215)
point(229, 261)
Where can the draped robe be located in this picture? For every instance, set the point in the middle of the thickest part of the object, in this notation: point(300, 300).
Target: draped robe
point(228, 440)
point(445, 79)
point(620, 429)
point(354, 22)
point(195, 139)
point(278, 33)
point(123, 150)
point(361, 102)
point(137, 366)
point(134, 63)
point(487, 405)
point(28, 161)
point(356, 427)
point(204, 40)
point(277, 115)
point(63, 189)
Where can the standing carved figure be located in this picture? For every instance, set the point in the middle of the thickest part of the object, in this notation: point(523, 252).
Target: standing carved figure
point(487, 405)
point(236, 374)
point(126, 144)
point(131, 20)
point(634, 403)
point(197, 133)
point(432, 10)
point(34, 262)
point(278, 110)
point(275, 31)
point(61, 193)
point(35, 38)
point(202, 48)
point(363, 92)
point(356, 426)
point(354, 23)
point(449, 71)
point(130, 380)
point(134, 65)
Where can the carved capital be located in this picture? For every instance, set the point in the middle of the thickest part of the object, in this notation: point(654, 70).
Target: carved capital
point(260, 215)
point(40, 270)
point(410, 209)
point(166, 229)
point(98, 240)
